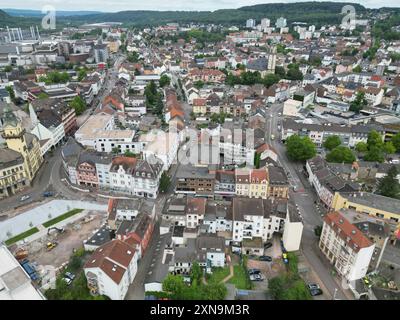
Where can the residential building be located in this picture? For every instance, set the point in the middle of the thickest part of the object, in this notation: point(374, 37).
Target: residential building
point(345, 246)
point(111, 269)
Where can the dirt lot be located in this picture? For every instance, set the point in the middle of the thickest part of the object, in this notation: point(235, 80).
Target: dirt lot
point(72, 238)
point(268, 269)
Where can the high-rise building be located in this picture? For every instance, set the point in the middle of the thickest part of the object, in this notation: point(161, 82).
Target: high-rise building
point(250, 23)
point(281, 22)
point(265, 23)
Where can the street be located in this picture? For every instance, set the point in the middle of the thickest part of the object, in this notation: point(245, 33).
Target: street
point(304, 198)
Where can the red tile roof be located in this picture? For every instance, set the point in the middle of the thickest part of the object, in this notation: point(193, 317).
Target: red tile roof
point(347, 231)
point(113, 258)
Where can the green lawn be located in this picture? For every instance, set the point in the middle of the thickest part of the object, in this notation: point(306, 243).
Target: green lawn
point(21, 236)
point(218, 275)
point(62, 217)
point(240, 279)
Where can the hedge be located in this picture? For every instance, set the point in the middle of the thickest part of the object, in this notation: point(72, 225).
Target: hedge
point(62, 217)
point(21, 236)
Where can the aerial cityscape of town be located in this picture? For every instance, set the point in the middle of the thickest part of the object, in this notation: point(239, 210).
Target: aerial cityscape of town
point(250, 153)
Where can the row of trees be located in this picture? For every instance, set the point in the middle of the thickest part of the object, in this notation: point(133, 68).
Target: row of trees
point(55, 77)
point(154, 98)
point(251, 78)
point(376, 149)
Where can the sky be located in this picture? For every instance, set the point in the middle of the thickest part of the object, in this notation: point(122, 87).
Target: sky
point(162, 5)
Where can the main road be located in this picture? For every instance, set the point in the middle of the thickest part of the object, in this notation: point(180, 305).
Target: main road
point(304, 198)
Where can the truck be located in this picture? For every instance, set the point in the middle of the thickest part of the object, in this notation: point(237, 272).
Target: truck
point(29, 269)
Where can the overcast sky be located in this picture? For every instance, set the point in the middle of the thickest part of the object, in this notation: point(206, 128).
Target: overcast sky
point(118, 5)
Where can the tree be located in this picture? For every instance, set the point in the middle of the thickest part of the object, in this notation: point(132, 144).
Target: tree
point(164, 81)
point(396, 141)
point(374, 153)
point(361, 147)
point(196, 274)
point(318, 231)
point(78, 104)
point(357, 69)
point(294, 74)
point(129, 154)
point(341, 154)
point(165, 182)
point(42, 96)
point(375, 139)
point(389, 186)
point(257, 159)
point(82, 74)
point(332, 142)
point(198, 84)
point(173, 284)
point(300, 148)
point(7, 68)
point(11, 92)
point(358, 103)
point(389, 148)
point(151, 94)
point(133, 57)
point(280, 71)
point(271, 79)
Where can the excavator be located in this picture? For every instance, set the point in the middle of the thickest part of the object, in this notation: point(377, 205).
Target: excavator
point(60, 230)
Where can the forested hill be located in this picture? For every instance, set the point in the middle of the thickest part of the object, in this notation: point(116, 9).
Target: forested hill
point(310, 12)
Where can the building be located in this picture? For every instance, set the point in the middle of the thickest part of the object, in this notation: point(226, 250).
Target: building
point(265, 23)
point(250, 23)
point(163, 146)
point(281, 23)
point(15, 283)
point(293, 230)
point(206, 250)
point(198, 181)
point(12, 173)
point(258, 183)
point(135, 176)
point(137, 232)
point(126, 209)
point(48, 128)
point(278, 183)
point(19, 140)
point(61, 110)
point(345, 246)
point(101, 53)
point(369, 203)
point(111, 269)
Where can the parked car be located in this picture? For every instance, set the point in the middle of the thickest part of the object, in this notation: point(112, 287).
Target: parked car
point(265, 258)
point(316, 292)
point(48, 194)
point(26, 197)
point(256, 277)
point(313, 286)
point(70, 275)
point(68, 281)
point(267, 245)
point(254, 271)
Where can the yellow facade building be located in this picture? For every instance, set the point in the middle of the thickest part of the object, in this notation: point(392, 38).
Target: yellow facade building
point(19, 142)
point(368, 203)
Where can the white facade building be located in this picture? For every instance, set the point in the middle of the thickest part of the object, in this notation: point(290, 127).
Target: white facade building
point(346, 247)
